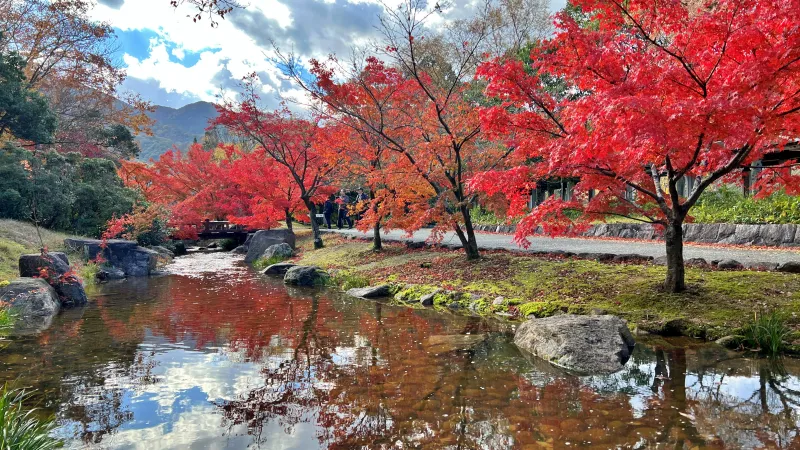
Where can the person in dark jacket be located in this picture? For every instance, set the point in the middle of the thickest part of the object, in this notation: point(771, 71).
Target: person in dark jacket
point(327, 210)
point(344, 203)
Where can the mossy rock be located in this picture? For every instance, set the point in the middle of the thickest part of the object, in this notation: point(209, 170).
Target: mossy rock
point(538, 309)
point(413, 292)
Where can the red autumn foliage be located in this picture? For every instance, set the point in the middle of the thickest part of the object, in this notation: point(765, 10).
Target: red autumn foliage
point(655, 93)
point(286, 141)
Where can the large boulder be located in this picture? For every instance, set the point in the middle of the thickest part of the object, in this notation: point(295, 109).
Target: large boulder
point(54, 268)
point(33, 302)
point(306, 276)
point(56, 264)
point(127, 256)
point(264, 239)
point(281, 251)
point(583, 344)
point(381, 290)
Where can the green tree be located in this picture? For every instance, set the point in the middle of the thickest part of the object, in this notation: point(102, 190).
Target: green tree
point(71, 192)
point(24, 113)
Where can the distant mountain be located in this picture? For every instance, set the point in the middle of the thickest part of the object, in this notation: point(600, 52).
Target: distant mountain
point(178, 127)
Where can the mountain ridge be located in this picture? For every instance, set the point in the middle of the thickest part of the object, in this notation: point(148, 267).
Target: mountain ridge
point(177, 127)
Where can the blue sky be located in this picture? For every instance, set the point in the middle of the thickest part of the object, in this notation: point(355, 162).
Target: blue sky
point(172, 61)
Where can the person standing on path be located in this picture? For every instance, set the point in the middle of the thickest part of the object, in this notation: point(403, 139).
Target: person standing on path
point(361, 204)
point(327, 210)
point(343, 202)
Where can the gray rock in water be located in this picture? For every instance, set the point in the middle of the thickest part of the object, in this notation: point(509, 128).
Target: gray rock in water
point(306, 276)
point(264, 239)
point(729, 264)
point(455, 342)
point(726, 341)
point(584, 344)
point(55, 262)
point(71, 293)
point(790, 267)
point(240, 250)
point(278, 269)
point(282, 251)
point(33, 302)
point(163, 251)
point(381, 290)
point(110, 273)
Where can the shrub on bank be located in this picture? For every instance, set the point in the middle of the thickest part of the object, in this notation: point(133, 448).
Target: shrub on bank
point(768, 334)
point(20, 429)
point(728, 205)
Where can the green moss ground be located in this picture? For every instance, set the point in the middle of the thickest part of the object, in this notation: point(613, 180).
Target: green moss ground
point(716, 304)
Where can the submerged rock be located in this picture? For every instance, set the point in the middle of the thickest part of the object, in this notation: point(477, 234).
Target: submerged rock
point(454, 342)
point(33, 302)
point(382, 290)
point(278, 269)
point(584, 344)
point(306, 276)
point(264, 239)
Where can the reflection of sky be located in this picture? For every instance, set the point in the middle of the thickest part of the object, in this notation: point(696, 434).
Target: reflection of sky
point(178, 410)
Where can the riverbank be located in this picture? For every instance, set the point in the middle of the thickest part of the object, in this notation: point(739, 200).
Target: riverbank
point(19, 238)
point(717, 304)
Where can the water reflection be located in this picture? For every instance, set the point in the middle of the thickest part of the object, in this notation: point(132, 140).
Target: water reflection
point(213, 356)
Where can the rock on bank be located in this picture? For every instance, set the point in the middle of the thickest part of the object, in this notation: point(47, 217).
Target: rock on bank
point(584, 344)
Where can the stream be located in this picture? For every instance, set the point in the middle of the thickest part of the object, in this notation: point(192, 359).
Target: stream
point(213, 355)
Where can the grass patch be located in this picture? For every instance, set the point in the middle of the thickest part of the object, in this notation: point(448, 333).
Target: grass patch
point(20, 429)
point(88, 273)
point(718, 303)
point(263, 263)
point(350, 280)
point(768, 334)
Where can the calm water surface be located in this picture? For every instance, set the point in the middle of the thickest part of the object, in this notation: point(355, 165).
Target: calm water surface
point(215, 356)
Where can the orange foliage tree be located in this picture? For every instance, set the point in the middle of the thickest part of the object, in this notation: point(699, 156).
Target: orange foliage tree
point(421, 111)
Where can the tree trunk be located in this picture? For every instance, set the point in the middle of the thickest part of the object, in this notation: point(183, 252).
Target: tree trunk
point(377, 244)
point(467, 235)
point(676, 280)
point(312, 209)
point(289, 218)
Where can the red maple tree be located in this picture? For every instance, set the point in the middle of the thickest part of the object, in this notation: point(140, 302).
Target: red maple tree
point(286, 140)
point(655, 94)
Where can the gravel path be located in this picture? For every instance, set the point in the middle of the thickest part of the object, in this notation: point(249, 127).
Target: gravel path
point(579, 245)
